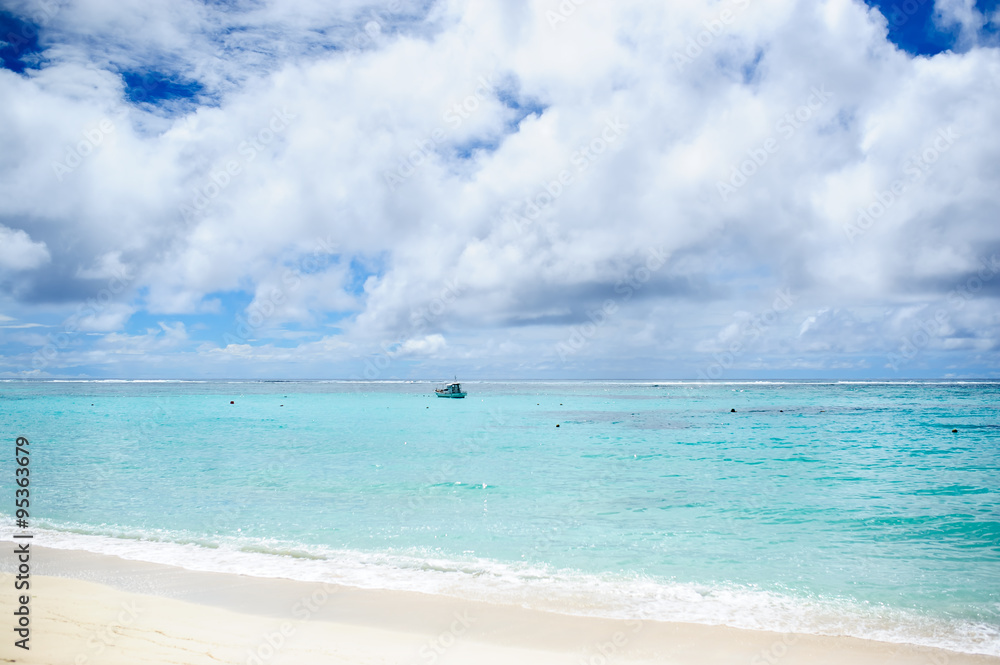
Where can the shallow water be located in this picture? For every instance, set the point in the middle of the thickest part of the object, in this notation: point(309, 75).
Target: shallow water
point(837, 508)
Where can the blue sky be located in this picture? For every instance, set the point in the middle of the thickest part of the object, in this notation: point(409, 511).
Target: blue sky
point(917, 27)
point(499, 190)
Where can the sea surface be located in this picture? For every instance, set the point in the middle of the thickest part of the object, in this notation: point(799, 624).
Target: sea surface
point(846, 508)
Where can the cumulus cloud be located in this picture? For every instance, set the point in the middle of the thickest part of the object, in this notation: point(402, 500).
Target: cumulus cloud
point(19, 252)
point(429, 345)
point(110, 318)
point(311, 187)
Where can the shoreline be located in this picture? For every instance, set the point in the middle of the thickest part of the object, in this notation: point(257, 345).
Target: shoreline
point(81, 605)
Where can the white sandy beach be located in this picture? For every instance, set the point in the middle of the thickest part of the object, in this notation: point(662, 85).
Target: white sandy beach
point(88, 608)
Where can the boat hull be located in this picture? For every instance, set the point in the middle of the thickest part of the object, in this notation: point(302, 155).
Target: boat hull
point(452, 395)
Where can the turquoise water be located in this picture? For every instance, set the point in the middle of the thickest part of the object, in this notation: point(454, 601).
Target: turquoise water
point(836, 508)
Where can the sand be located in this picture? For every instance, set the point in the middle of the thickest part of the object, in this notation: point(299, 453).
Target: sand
point(88, 609)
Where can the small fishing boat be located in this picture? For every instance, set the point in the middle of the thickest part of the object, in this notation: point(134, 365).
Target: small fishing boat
point(450, 390)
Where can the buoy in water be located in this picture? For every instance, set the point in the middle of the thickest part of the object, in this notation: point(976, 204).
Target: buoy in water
point(557, 424)
point(954, 430)
point(732, 410)
point(232, 402)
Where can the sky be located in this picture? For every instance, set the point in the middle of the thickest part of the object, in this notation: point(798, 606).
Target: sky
point(499, 189)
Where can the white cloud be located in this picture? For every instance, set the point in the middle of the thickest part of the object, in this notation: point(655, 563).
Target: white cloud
point(160, 339)
point(641, 137)
point(962, 14)
point(110, 318)
point(426, 346)
point(19, 252)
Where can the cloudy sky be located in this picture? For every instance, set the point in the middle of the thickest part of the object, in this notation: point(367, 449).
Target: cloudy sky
point(499, 189)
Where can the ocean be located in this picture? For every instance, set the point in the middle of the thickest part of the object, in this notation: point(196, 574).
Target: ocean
point(838, 508)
